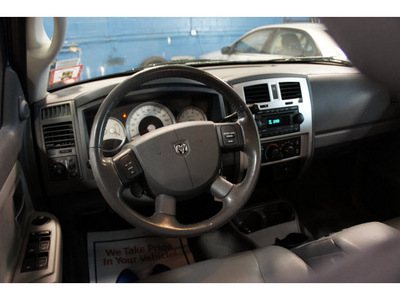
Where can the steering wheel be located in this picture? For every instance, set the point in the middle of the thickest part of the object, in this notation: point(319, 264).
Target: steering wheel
point(177, 161)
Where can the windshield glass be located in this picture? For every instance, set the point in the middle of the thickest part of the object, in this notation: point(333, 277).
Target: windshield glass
point(96, 47)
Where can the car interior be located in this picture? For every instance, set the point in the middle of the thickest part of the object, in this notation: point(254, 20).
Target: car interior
point(274, 172)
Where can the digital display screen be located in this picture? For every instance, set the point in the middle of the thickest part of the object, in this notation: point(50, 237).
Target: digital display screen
point(277, 121)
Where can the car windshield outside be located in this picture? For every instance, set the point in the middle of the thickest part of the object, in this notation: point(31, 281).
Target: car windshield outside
point(95, 47)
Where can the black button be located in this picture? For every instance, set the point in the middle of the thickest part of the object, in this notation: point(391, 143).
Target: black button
point(43, 233)
point(31, 247)
point(41, 262)
point(229, 135)
point(66, 151)
point(28, 264)
point(44, 245)
point(128, 166)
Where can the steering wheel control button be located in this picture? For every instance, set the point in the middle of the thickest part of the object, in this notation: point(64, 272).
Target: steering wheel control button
point(127, 166)
point(230, 138)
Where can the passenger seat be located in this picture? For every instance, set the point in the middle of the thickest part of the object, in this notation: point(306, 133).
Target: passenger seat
point(364, 253)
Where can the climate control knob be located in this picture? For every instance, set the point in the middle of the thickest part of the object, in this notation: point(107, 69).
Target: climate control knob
point(59, 170)
point(273, 152)
point(288, 150)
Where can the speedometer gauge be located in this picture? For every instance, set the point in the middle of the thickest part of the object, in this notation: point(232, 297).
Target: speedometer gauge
point(114, 135)
point(147, 117)
point(191, 114)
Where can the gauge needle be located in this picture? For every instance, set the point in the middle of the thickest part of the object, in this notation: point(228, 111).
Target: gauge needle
point(141, 133)
point(113, 131)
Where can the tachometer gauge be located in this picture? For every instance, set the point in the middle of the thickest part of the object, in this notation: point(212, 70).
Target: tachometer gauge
point(191, 113)
point(147, 117)
point(114, 135)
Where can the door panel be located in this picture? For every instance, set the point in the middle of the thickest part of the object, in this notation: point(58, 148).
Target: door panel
point(15, 202)
point(20, 225)
point(15, 205)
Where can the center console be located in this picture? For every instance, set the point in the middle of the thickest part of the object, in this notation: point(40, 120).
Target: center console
point(283, 116)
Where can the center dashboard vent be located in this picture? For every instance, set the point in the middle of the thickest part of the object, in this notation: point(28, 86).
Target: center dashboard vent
point(290, 90)
point(57, 136)
point(256, 93)
point(50, 112)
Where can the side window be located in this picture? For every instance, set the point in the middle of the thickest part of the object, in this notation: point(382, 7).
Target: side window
point(293, 43)
point(253, 43)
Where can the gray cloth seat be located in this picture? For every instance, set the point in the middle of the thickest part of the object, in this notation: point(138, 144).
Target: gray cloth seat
point(364, 253)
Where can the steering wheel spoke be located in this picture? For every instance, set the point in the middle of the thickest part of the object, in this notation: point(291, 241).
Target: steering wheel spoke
point(165, 212)
point(165, 204)
point(221, 187)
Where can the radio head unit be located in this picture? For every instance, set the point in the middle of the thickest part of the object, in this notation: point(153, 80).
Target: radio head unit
point(278, 121)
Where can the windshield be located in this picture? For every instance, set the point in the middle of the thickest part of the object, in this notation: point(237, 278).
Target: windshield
point(96, 47)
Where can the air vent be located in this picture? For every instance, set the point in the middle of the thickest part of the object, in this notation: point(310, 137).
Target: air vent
point(56, 111)
point(257, 93)
point(57, 136)
point(290, 90)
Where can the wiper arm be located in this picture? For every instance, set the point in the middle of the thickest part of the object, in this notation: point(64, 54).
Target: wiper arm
point(313, 59)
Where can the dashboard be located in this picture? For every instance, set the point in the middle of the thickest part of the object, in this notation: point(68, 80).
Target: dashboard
point(299, 109)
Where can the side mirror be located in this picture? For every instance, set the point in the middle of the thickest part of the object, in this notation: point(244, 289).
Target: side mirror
point(226, 50)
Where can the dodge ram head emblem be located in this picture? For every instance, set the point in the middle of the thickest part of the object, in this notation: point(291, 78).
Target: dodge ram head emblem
point(181, 148)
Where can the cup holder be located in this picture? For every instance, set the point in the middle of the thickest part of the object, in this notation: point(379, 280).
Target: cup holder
point(278, 213)
point(252, 222)
point(257, 218)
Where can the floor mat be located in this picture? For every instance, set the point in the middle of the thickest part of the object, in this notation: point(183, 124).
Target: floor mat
point(131, 255)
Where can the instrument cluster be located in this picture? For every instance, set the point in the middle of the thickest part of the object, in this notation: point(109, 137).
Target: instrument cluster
point(127, 123)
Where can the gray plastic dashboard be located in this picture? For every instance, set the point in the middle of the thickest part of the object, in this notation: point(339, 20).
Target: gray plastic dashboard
point(338, 105)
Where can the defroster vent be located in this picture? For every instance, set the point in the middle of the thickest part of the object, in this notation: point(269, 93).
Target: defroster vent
point(257, 93)
point(60, 135)
point(290, 90)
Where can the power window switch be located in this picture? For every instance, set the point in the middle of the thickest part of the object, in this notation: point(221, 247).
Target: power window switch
point(41, 262)
point(31, 247)
point(44, 245)
point(44, 233)
point(28, 264)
